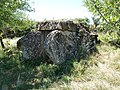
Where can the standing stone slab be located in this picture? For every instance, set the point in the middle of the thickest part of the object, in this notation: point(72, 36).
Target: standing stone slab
point(60, 47)
point(32, 46)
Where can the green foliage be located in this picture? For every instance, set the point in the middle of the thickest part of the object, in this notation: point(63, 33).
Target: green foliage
point(11, 11)
point(108, 12)
point(13, 16)
point(9, 65)
point(84, 21)
point(96, 21)
point(23, 27)
point(15, 74)
point(13, 20)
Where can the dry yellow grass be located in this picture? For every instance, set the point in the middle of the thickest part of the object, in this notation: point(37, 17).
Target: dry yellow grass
point(103, 74)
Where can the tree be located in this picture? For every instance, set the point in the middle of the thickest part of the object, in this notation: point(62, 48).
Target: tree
point(95, 21)
point(12, 14)
point(108, 12)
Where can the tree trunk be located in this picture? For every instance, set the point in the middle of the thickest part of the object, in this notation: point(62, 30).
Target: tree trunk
point(2, 44)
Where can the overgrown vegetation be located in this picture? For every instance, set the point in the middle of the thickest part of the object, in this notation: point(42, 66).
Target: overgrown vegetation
point(14, 21)
point(107, 18)
point(100, 71)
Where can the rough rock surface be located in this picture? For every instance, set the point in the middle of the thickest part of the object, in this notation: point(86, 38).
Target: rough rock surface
point(60, 47)
point(32, 45)
point(86, 41)
point(57, 25)
point(57, 41)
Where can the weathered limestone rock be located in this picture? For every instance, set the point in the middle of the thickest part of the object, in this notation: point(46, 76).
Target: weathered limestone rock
point(57, 25)
point(32, 45)
point(60, 47)
point(87, 41)
point(57, 41)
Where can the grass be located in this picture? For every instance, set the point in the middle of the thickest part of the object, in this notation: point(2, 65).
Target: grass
point(100, 71)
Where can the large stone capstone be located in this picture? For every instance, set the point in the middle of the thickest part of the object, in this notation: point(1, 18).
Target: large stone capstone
point(57, 42)
point(57, 25)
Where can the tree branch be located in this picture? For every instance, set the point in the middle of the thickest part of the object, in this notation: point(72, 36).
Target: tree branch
point(99, 12)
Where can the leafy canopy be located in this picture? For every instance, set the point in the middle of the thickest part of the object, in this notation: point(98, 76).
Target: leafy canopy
point(108, 12)
point(12, 12)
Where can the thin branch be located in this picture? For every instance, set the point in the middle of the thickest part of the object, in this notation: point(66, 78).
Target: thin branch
point(99, 12)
